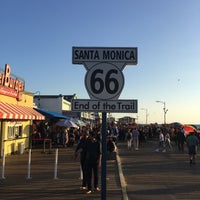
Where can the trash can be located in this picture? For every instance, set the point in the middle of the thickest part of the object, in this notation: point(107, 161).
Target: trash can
point(20, 147)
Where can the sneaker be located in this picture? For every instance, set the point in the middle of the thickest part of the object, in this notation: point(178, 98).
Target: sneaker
point(89, 192)
point(97, 189)
point(83, 188)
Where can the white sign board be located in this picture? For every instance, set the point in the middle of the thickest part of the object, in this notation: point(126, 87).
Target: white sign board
point(104, 79)
point(124, 106)
point(81, 55)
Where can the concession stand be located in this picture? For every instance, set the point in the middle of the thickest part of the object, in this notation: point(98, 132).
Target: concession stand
point(17, 113)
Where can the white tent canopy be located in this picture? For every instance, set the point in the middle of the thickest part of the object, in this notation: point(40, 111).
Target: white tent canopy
point(67, 123)
point(78, 121)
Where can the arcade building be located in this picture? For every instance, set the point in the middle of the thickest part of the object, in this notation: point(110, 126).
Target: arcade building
point(17, 113)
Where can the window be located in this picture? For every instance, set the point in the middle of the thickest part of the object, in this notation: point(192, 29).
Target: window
point(14, 131)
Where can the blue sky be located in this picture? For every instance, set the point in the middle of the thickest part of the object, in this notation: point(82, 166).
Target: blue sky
point(37, 37)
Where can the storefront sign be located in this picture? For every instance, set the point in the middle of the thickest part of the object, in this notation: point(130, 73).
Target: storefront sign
point(10, 85)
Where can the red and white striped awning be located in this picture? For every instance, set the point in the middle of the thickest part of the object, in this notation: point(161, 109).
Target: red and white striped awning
point(11, 111)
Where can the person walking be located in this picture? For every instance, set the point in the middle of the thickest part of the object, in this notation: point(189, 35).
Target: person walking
point(180, 140)
point(135, 135)
point(93, 162)
point(192, 142)
point(81, 149)
point(129, 139)
point(161, 138)
point(168, 142)
point(64, 136)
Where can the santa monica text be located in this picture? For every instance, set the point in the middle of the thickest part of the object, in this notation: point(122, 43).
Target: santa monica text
point(104, 55)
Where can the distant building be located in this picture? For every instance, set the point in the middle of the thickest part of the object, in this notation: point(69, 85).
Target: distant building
point(55, 103)
point(62, 104)
point(126, 120)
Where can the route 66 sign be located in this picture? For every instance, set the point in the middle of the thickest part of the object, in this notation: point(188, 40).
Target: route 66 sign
point(104, 79)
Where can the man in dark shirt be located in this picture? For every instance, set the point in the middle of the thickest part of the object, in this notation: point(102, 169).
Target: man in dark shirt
point(81, 148)
point(93, 161)
point(180, 140)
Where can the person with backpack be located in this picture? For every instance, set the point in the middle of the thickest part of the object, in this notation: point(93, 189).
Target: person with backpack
point(192, 142)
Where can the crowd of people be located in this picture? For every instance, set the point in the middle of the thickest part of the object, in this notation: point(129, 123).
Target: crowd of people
point(88, 143)
point(170, 137)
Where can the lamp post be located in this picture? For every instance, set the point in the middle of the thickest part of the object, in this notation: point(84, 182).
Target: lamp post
point(146, 112)
point(164, 109)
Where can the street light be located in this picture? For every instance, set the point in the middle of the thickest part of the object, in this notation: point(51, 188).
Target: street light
point(164, 109)
point(146, 111)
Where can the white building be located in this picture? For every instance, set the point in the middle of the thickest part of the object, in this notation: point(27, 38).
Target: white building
point(62, 104)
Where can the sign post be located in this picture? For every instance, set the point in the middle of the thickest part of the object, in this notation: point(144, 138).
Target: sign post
point(103, 160)
point(104, 82)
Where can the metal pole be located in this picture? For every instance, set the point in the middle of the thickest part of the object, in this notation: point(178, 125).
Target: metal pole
point(44, 146)
point(103, 162)
point(3, 165)
point(165, 112)
point(146, 113)
point(56, 164)
point(29, 164)
point(164, 117)
point(164, 109)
